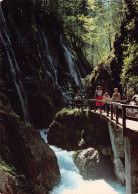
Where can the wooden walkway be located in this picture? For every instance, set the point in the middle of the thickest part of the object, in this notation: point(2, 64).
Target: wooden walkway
point(116, 112)
point(133, 125)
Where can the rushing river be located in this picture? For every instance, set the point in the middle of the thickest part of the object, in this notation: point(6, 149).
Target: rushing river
point(72, 182)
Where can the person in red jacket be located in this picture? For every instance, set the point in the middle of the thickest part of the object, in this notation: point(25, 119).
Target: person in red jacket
point(99, 95)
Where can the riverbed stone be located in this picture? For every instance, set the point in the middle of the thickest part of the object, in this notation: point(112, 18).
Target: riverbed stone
point(92, 164)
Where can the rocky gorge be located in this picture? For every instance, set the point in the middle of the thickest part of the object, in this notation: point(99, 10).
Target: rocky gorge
point(39, 71)
point(96, 155)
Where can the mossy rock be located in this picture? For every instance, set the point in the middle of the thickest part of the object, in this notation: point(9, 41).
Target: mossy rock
point(75, 130)
point(7, 168)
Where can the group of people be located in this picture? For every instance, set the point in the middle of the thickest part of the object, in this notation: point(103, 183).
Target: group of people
point(116, 97)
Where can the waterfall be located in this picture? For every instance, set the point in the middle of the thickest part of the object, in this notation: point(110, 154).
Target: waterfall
point(73, 183)
point(53, 64)
point(50, 58)
point(15, 71)
point(74, 71)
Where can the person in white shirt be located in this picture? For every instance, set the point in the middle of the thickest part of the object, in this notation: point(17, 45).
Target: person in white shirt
point(116, 97)
point(106, 97)
point(77, 102)
point(77, 97)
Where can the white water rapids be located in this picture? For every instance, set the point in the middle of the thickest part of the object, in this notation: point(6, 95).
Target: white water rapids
point(73, 183)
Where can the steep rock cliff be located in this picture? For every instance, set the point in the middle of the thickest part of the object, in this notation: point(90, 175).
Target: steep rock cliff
point(28, 156)
point(37, 67)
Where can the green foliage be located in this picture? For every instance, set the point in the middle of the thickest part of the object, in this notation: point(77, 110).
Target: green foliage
point(89, 25)
point(129, 76)
point(101, 26)
point(121, 68)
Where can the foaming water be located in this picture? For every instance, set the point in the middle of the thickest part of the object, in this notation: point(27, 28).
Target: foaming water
point(73, 183)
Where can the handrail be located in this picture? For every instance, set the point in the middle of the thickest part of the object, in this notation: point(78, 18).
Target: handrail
point(105, 102)
point(110, 108)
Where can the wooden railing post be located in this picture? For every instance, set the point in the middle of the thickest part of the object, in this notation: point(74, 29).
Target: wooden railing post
point(114, 106)
point(107, 110)
point(111, 112)
point(91, 105)
point(94, 106)
point(116, 111)
point(82, 104)
point(104, 107)
point(72, 104)
point(124, 119)
point(100, 108)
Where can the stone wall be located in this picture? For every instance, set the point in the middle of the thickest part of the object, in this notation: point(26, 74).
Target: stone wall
point(131, 162)
point(117, 142)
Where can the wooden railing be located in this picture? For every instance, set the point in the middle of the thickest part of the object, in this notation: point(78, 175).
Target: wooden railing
point(113, 110)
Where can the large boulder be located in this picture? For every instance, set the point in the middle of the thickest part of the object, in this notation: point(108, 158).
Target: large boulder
point(92, 164)
point(22, 147)
point(65, 130)
point(74, 130)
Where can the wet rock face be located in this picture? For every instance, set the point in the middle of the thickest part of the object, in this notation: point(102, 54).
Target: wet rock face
point(35, 73)
point(36, 47)
point(93, 165)
point(74, 130)
point(22, 147)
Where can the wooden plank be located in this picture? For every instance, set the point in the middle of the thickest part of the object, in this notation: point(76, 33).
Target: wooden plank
point(130, 106)
point(132, 118)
